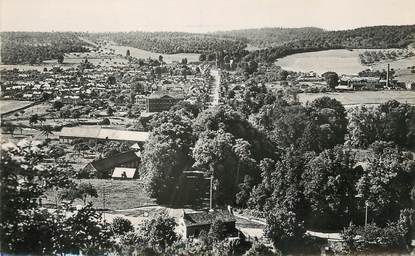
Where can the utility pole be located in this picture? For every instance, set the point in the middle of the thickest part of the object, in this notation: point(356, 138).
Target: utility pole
point(211, 193)
point(103, 199)
point(366, 206)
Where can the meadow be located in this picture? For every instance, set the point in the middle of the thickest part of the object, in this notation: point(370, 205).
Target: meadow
point(10, 105)
point(340, 61)
point(168, 58)
point(119, 194)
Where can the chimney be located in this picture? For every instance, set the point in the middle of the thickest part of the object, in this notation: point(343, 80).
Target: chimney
point(387, 76)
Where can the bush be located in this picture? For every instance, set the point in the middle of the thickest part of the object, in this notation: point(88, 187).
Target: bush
point(121, 226)
point(374, 238)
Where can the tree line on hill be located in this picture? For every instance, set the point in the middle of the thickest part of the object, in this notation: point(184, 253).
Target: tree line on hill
point(377, 37)
point(35, 47)
point(172, 42)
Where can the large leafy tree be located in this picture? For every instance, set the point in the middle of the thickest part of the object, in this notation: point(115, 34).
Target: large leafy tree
point(386, 185)
point(363, 126)
point(166, 155)
point(159, 231)
point(284, 228)
point(329, 187)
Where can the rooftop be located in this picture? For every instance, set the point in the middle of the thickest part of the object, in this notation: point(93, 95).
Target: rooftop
point(207, 217)
point(95, 132)
point(115, 160)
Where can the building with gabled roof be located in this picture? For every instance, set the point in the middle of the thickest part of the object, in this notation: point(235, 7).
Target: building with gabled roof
point(162, 102)
point(194, 222)
point(104, 167)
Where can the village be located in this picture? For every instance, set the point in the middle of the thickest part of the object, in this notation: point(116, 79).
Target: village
point(212, 143)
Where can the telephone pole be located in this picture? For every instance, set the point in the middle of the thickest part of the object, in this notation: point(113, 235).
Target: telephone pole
point(211, 193)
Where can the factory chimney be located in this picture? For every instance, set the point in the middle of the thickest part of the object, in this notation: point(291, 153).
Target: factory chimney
point(387, 76)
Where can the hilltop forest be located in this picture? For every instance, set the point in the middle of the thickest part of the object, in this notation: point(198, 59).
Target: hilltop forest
point(34, 47)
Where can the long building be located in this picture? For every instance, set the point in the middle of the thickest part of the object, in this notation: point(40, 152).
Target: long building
point(97, 133)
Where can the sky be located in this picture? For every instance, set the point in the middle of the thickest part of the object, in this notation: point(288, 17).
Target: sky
point(199, 16)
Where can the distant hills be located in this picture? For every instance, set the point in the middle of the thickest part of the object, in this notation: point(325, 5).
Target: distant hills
point(18, 47)
point(379, 36)
point(266, 37)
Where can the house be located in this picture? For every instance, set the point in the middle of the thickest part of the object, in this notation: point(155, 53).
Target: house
point(159, 103)
point(124, 173)
point(410, 85)
point(192, 223)
point(105, 167)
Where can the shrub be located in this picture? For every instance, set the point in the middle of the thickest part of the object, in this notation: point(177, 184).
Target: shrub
point(121, 226)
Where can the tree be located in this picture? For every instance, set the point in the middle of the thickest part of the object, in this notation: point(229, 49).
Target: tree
point(25, 228)
point(202, 57)
point(60, 58)
point(128, 54)
point(184, 61)
point(329, 188)
point(363, 126)
point(121, 226)
point(34, 119)
point(284, 228)
point(259, 249)
point(46, 130)
point(159, 231)
point(386, 185)
point(166, 155)
point(332, 79)
point(217, 231)
point(57, 105)
point(161, 58)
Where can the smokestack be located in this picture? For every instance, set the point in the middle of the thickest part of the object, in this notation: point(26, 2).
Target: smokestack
point(387, 76)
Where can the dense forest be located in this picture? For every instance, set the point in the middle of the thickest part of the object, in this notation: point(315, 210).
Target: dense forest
point(266, 37)
point(34, 47)
point(378, 37)
point(172, 42)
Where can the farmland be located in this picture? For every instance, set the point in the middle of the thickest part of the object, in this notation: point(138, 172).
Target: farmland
point(119, 194)
point(168, 58)
point(363, 97)
point(339, 61)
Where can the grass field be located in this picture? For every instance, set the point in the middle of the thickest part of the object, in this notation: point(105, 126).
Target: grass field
point(168, 58)
point(9, 105)
point(363, 97)
point(119, 194)
point(339, 61)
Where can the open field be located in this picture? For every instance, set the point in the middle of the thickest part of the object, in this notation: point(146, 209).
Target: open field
point(340, 61)
point(363, 97)
point(168, 58)
point(10, 105)
point(119, 194)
